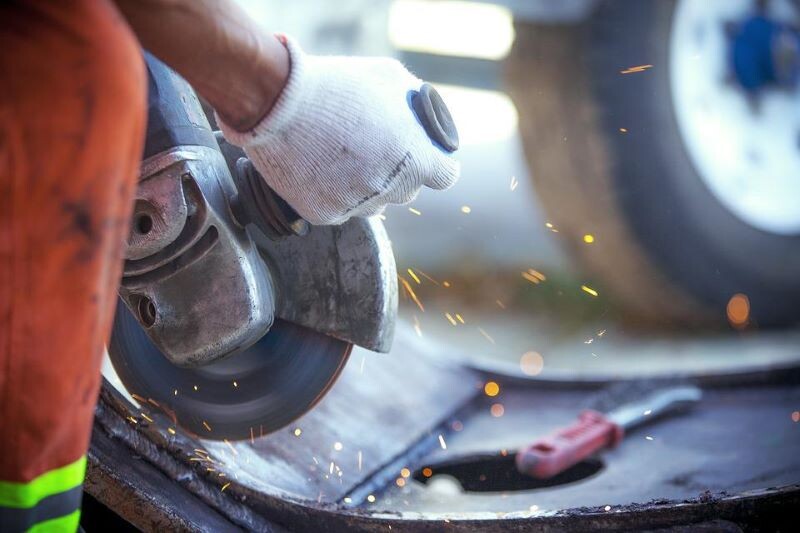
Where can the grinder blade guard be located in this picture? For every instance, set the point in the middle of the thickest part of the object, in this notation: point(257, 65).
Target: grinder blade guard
point(237, 316)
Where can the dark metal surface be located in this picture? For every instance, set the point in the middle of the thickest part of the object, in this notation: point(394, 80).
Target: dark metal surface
point(254, 393)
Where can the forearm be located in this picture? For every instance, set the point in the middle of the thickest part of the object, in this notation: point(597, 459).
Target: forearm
point(238, 67)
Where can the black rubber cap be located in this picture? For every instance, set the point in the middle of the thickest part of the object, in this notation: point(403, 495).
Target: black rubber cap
point(435, 117)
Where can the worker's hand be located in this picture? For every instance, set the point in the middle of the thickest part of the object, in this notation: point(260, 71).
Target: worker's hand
point(342, 141)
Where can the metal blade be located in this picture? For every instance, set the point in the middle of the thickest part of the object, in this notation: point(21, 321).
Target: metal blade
point(250, 394)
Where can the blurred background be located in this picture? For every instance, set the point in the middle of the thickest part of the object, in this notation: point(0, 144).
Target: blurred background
point(630, 190)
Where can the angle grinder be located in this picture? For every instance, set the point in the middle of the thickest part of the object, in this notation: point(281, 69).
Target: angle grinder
point(235, 315)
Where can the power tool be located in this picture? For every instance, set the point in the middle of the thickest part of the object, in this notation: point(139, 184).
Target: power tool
point(235, 315)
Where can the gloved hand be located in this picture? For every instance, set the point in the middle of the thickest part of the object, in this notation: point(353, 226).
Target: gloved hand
point(342, 141)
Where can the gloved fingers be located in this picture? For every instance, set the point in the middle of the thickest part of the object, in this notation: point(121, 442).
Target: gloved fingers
point(444, 171)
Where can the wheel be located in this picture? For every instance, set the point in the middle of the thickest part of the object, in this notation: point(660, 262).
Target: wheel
point(689, 184)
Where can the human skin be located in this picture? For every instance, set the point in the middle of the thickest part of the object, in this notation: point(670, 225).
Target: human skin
point(233, 63)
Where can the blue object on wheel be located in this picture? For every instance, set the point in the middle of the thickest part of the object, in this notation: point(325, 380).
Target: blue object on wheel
point(765, 53)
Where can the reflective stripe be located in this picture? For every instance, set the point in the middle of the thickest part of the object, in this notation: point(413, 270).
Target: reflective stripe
point(63, 524)
point(51, 509)
point(25, 495)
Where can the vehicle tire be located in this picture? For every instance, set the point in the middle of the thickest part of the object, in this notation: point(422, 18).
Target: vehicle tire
point(665, 246)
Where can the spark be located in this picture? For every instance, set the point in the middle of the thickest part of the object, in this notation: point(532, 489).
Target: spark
point(424, 275)
point(371, 498)
point(497, 410)
point(446, 283)
point(138, 398)
point(548, 225)
point(588, 238)
point(225, 486)
point(466, 209)
point(133, 420)
point(235, 384)
point(226, 441)
point(400, 482)
point(348, 499)
point(196, 387)
point(738, 310)
point(330, 470)
point(405, 472)
point(451, 319)
point(796, 416)
point(175, 392)
point(152, 401)
point(147, 418)
point(460, 318)
point(531, 278)
point(442, 443)
point(427, 472)
point(646, 413)
point(416, 326)
point(491, 389)
point(638, 68)
point(206, 425)
point(594, 354)
point(607, 507)
point(514, 183)
point(411, 293)
point(486, 335)
point(623, 130)
point(601, 332)
point(500, 304)
point(413, 275)
point(415, 211)
point(359, 460)
point(648, 437)
point(534, 508)
point(337, 446)
point(171, 431)
point(298, 432)
point(588, 290)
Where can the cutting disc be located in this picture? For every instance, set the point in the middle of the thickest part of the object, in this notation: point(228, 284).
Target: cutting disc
point(249, 394)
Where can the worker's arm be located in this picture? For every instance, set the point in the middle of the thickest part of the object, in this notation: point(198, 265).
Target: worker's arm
point(334, 136)
point(232, 62)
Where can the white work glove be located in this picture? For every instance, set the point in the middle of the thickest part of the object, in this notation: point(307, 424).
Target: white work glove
point(342, 141)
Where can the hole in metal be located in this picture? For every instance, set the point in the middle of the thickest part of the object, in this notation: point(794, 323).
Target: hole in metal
point(500, 474)
point(147, 311)
point(143, 224)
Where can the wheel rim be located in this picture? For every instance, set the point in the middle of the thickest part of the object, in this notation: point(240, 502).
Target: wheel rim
point(745, 148)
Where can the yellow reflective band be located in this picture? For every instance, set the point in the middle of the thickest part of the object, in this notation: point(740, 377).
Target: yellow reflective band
point(26, 495)
point(62, 524)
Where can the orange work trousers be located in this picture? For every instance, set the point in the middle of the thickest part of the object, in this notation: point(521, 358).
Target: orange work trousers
point(72, 118)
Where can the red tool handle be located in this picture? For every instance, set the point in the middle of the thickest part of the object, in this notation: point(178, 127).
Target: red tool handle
point(568, 446)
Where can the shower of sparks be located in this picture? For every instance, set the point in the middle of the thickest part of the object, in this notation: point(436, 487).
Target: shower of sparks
point(588, 290)
point(442, 443)
point(451, 319)
point(225, 486)
point(486, 335)
point(500, 304)
point(415, 211)
point(514, 183)
point(411, 293)
point(588, 238)
point(413, 275)
point(639, 68)
point(649, 437)
point(466, 209)
point(416, 326)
